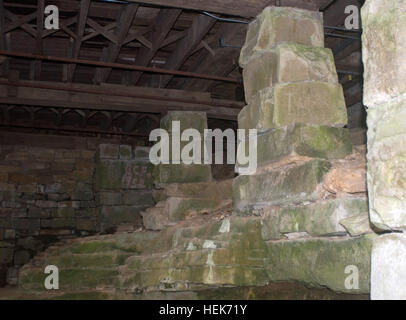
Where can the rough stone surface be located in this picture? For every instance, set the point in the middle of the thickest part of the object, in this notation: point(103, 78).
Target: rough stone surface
point(113, 216)
point(199, 256)
point(321, 262)
point(348, 180)
point(182, 173)
point(214, 189)
point(155, 219)
point(386, 165)
point(388, 267)
point(384, 50)
point(357, 225)
point(179, 208)
point(280, 186)
point(296, 103)
point(303, 140)
point(288, 63)
point(277, 25)
point(317, 219)
point(116, 175)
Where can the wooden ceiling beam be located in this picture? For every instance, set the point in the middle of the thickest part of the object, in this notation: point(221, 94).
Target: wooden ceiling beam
point(161, 27)
point(224, 59)
point(63, 25)
point(77, 42)
point(241, 8)
point(35, 66)
point(99, 30)
point(200, 27)
point(114, 98)
point(116, 65)
point(20, 22)
point(110, 53)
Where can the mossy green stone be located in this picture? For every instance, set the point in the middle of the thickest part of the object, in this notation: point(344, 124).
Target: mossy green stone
point(277, 25)
point(316, 219)
point(288, 62)
point(321, 262)
point(304, 140)
point(318, 103)
point(179, 207)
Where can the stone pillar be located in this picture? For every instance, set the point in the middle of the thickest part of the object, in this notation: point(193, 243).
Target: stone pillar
point(384, 52)
point(297, 105)
point(177, 171)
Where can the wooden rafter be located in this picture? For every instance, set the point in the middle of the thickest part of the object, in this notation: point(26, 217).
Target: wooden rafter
point(224, 59)
point(35, 66)
point(115, 98)
point(163, 23)
point(115, 65)
point(104, 31)
point(64, 26)
point(200, 26)
point(242, 8)
point(20, 22)
point(77, 42)
point(110, 54)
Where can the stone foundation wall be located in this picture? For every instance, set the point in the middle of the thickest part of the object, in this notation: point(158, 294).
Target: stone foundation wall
point(53, 192)
point(384, 51)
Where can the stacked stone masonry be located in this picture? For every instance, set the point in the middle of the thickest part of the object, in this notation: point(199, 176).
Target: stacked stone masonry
point(49, 194)
point(384, 51)
point(309, 189)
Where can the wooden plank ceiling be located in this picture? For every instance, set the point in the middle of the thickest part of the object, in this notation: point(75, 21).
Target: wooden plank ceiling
point(152, 34)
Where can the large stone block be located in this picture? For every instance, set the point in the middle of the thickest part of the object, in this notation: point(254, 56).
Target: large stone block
point(302, 140)
point(276, 25)
point(179, 208)
point(319, 103)
point(215, 189)
point(109, 198)
point(182, 173)
point(116, 175)
point(280, 186)
point(384, 50)
point(138, 197)
point(387, 165)
point(388, 268)
point(322, 262)
point(317, 219)
point(58, 223)
point(288, 63)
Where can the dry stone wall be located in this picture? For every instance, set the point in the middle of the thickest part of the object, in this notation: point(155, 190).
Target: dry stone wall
point(51, 193)
point(384, 51)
